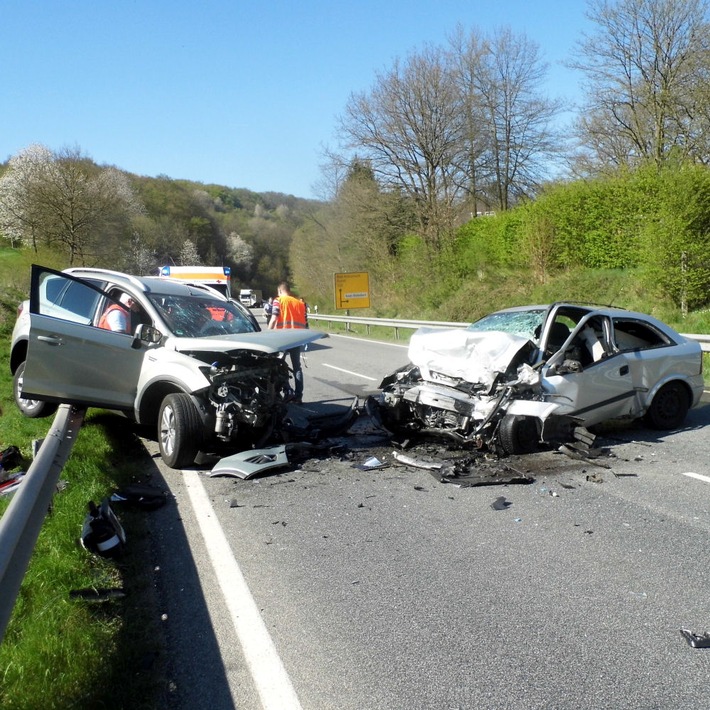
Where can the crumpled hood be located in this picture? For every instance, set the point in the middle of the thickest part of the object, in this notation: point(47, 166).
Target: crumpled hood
point(269, 341)
point(475, 357)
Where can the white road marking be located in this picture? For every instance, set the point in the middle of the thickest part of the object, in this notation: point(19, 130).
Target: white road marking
point(350, 372)
point(367, 340)
point(699, 476)
point(270, 678)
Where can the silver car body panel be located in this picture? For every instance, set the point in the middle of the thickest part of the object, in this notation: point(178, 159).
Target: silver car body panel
point(557, 363)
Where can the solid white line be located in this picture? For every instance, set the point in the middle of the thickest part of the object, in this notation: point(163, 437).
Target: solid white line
point(350, 372)
point(699, 476)
point(270, 678)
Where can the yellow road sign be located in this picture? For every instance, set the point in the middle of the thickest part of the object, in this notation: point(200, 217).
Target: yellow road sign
point(352, 290)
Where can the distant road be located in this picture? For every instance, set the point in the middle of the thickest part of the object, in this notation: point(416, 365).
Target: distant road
point(386, 589)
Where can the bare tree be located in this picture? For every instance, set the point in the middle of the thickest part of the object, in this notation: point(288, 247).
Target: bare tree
point(467, 52)
point(518, 117)
point(409, 128)
point(646, 68)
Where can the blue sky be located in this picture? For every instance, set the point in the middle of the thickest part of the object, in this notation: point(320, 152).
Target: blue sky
point(243, 94)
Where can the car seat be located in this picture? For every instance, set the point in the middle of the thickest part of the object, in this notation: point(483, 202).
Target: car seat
point(559, 332)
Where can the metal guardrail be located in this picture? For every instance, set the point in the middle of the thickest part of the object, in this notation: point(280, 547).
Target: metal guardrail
point(22, 521)
point(395, 323)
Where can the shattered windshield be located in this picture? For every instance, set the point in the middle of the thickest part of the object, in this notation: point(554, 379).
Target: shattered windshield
point(519, 322)
point(199, 315)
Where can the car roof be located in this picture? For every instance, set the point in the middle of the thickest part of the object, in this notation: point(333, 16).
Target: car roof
point(146, 284)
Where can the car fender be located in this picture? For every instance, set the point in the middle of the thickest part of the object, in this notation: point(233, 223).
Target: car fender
point(533, 408)
point(694, 385)
point(165, 372)
point(555, 422)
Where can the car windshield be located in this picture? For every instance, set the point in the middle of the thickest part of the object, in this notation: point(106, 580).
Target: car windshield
point(523, 322)
point(198, 316)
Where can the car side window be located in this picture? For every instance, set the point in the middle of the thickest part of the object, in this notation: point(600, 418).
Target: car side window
point(66, 299)
point(633, 335)
point(80, 300)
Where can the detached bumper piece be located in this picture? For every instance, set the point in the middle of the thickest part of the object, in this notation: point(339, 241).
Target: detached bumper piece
point(246, 464)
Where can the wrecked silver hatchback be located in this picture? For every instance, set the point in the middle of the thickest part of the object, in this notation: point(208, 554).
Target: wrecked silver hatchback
point(527, 375)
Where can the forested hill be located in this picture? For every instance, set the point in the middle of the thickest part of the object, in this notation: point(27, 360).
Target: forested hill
point(249, 231)
point(103, 216)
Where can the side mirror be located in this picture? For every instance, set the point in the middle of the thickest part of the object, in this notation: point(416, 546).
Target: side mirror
point(146, 334)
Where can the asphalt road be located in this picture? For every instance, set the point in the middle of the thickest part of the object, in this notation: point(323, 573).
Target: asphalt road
point(323, 586)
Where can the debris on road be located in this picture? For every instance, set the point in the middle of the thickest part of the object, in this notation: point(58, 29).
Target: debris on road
point(501, 503)
point(371, 464)
point(696, 640)
point(246, 464)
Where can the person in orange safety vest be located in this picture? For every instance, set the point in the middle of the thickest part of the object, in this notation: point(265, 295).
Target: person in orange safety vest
point(290, 312)
point(117, 316)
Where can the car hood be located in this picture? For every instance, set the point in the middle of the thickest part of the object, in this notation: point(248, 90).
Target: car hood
point(269, 341)
point(476, 357)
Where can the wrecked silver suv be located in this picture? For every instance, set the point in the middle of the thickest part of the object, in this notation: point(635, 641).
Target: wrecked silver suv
point(186, 359)
point(532, 374)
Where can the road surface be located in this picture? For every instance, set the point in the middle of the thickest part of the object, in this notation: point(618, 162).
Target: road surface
point(328, 587)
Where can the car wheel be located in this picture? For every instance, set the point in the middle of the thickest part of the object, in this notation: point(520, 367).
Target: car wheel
point(669, 407)
point(31, 408)
point(179, 431)
point(518, 435)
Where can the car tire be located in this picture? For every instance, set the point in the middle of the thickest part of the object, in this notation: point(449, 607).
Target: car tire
point(31, 408)
point(518, 434)
point(179, 430)
point(669, 407)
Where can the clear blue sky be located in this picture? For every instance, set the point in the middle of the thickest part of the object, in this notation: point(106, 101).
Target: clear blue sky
point(234, 92)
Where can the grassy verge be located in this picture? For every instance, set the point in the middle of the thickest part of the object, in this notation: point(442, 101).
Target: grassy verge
point(60, 652)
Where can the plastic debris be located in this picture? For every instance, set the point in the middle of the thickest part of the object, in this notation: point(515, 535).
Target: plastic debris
point(371, 463)
point(246, 464)
point(696, 640)
point(142, 496)
point(416, 463)
point(102, 533)
point(97, 595)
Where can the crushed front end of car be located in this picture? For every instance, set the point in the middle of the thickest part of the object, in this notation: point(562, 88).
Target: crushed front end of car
point(247, 390)
point(477, 388)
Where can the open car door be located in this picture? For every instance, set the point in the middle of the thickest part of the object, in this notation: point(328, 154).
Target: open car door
point(588, 376)
point(69, 359)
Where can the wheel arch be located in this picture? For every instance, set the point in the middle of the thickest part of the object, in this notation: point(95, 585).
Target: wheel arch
point(18, 354)
point(148, 407)
point(671, 379)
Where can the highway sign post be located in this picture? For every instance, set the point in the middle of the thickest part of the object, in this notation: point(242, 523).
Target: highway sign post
point(352, 290)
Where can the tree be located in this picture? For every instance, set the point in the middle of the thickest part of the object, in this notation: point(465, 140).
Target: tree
point(517, 117)
point(64, 199)
point(409, 129)
point(647, 68)
point(20, 217)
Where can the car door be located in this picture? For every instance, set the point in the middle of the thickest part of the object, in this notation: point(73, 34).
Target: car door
point(600, 389)
point(69, 360)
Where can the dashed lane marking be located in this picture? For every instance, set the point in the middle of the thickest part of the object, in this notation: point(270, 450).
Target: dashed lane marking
point(350, 372)
point(699, 476)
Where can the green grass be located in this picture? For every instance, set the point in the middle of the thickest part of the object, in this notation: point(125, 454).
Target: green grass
point(63, 653)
